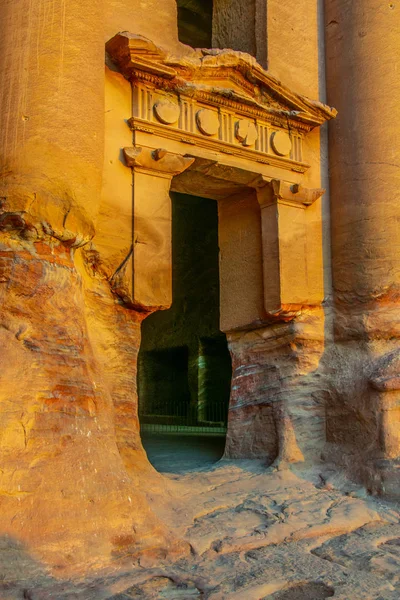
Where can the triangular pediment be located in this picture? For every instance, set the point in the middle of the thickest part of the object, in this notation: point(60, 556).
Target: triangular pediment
point(216, 77)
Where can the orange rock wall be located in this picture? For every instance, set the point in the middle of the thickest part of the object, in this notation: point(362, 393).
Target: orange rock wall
point(68, 426)
point(72, 465)
point(277, 409)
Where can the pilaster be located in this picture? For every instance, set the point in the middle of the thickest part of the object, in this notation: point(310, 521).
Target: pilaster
point(151, 264)
point(291, 279)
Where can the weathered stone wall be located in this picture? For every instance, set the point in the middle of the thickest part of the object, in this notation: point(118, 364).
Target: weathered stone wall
point(234, 25)
point(277, 409)
point(155, 20)
point(68, 351)
point(71, 458)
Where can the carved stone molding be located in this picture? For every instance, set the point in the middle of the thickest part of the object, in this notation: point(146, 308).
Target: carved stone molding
point(249, 83)
point(246, 132)
point(157, 162)
point(219, 100)
point(208, 121)
point(295, 195)
point(167, 112)
point(133, 52)
point(281, 143)
point(215, 123)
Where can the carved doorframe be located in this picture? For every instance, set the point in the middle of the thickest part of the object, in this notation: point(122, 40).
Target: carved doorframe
point(218, 116)
point(215, 121)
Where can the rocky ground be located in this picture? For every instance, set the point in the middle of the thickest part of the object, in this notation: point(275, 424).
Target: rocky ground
point(255, 534)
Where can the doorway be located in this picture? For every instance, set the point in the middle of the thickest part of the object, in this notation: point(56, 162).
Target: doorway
point(184, 365)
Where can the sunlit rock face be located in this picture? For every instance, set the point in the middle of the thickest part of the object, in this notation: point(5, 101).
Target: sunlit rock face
point(91, 148)
point(279, 380)
point(68, 426)
point(63, 478)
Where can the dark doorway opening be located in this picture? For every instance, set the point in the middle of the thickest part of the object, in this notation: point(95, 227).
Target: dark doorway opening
point(164, 386)
point(195, 22)
point(184, 366)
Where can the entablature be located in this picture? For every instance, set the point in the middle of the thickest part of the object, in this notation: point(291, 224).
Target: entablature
point(219, 100)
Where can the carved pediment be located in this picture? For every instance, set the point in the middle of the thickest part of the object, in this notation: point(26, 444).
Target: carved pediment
point(219, 78)
point(136, 53)
point(219, 101)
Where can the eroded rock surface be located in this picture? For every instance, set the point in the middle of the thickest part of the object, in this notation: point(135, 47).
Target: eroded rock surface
point(254, 534)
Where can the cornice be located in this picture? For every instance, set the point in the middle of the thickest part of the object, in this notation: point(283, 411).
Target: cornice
point(219, 77)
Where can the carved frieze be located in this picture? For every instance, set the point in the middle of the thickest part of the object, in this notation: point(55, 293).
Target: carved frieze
point(225, 129)
point(220, 100)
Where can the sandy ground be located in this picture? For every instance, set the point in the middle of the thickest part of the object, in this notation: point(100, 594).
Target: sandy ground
point(256, 534)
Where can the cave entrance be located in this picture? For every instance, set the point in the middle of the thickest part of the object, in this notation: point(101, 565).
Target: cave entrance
point(184, 366)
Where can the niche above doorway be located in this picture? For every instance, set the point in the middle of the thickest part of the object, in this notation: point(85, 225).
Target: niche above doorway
point(195, 22)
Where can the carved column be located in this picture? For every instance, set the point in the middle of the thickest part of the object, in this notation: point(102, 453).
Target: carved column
point(52, 111)
point(361, 42)
point(62, 479)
